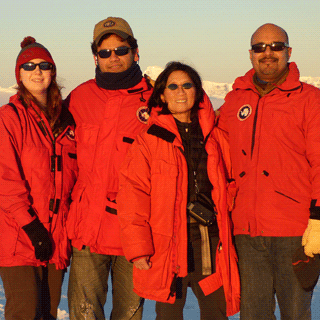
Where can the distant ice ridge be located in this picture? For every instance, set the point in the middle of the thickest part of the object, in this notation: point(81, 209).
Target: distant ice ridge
point(219, 90)
point(10, 90)
point(213, 89)
point(315, 81)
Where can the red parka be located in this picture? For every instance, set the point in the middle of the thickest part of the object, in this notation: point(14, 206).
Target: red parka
point(152, 203)
point(37, 170)
point(107, 122)
point(275, 152)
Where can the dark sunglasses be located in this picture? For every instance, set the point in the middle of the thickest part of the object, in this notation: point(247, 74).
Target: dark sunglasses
point(120, 51)
point(274, 46)
point(173, 86)
point(30, 66)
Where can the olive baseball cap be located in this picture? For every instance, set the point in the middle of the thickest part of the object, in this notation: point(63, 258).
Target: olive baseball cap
point(114, 25)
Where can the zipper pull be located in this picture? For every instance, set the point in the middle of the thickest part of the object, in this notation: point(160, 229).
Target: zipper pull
point(196, 182)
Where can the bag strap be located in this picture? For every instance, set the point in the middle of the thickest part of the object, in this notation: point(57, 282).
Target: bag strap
point(14, 108)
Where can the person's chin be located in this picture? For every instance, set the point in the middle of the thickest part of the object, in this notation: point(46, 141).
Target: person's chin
point(116, 69)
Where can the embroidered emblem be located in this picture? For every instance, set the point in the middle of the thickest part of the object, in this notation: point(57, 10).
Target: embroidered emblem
point(244, 112)
point(143, 114)
point(109, 24)
point(70, 134)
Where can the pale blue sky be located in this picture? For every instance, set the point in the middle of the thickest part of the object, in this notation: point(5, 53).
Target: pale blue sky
point(211, 35)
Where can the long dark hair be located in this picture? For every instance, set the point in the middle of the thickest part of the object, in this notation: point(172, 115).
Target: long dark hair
point(161, 83)
point(54, 99)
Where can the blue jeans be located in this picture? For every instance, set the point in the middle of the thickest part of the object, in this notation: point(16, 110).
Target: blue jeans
point(88, 287)
point(265, 265)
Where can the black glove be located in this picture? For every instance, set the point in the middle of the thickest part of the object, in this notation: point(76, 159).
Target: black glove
point(39, 237)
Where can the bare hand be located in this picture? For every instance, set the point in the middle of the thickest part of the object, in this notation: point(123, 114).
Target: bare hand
point(143, 263)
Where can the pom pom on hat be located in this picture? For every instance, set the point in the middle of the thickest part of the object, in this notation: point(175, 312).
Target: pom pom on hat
point(31, 50)
point(27, 41)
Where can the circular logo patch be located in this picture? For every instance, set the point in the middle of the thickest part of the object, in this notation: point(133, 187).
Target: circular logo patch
point(70, 134)
point(109, 23)
point(143, 114)
point(244, 112)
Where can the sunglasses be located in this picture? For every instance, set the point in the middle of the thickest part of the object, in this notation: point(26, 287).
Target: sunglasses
point(120, 51)
point(274, 46)
point(30, 66)
point(187, 85)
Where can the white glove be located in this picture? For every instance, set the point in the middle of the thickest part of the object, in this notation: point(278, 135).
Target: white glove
point(311, 238)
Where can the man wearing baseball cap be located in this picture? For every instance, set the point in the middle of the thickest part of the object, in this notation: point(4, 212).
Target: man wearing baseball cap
point(109, 111)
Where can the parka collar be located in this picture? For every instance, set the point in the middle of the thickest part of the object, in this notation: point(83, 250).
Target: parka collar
point(291, 83)
point(142, 86)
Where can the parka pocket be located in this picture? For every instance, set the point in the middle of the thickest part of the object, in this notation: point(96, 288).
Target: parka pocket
point(123, 142)
point(69, 168)
point(164, 193)
point(159, 275)
point(86, 137)
point(36, 160)
point(286, 196)
point(9, 231)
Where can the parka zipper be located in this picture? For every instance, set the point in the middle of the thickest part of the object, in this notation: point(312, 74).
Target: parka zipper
point(56, 164)
point(254, 128)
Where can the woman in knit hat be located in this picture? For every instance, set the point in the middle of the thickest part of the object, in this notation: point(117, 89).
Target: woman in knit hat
point(37, 172)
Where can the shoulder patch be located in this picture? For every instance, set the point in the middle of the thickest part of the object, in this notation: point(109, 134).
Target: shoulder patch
point(244, 112)
point(143, 114)
point(161, 133)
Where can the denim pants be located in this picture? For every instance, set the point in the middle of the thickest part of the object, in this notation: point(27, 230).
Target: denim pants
point(266, 271)
point(31, 292)
point(88, 286)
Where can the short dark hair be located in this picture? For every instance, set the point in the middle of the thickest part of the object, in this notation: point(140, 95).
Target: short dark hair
point(133, 43)
point(161, 83)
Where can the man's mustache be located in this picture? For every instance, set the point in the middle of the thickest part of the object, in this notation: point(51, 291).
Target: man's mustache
point(269, 58)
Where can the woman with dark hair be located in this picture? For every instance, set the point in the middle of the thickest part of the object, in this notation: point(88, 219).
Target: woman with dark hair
point(37, 172)
point(173, 203)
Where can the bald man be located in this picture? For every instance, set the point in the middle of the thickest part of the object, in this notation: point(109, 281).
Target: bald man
point(273, 123)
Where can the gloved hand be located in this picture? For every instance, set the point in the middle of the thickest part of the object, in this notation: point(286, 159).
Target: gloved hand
point(311, 238)
point(39, 237)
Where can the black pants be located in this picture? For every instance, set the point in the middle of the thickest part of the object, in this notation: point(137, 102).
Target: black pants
point(212, 306)
point(31, 292)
